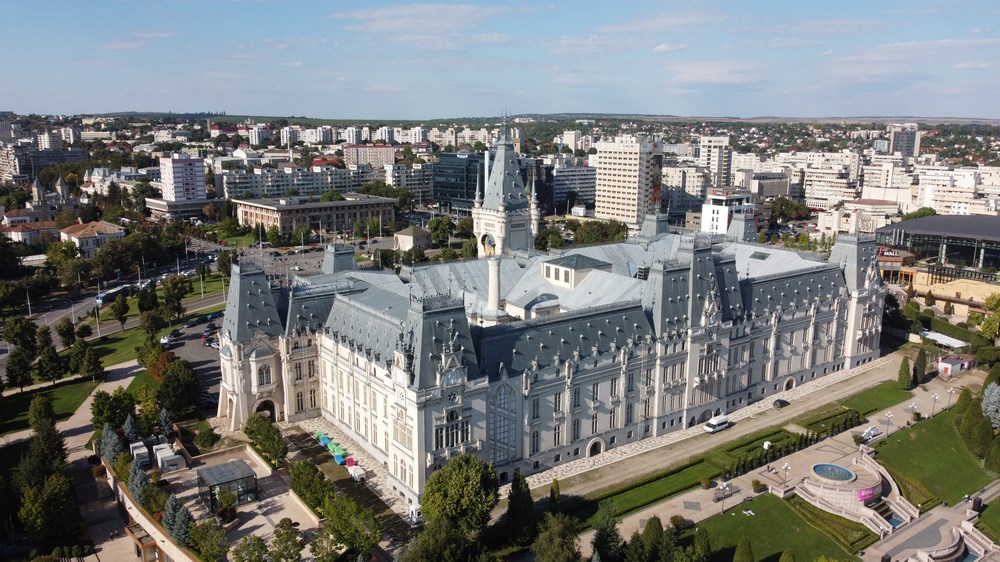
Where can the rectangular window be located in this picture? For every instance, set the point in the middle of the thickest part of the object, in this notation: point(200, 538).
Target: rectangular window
point(576, 397)
point(630, 381)
point(614, 387)
point(576, 429)
point(613, 418)
point(557, 402)
point(557, 434)
point(534, 409)
point(593, 423)
point(594, 391)
point(629, 413)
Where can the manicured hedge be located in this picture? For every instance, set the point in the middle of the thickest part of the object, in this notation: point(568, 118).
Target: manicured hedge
point(851, 535)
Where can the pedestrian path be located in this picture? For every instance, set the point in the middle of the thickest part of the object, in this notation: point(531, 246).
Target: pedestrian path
point(629, 450)
point(698, 504)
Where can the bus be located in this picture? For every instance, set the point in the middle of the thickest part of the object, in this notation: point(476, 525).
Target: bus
point(111, 294)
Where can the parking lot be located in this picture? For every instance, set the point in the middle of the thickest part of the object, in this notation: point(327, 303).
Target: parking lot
point(203, 359)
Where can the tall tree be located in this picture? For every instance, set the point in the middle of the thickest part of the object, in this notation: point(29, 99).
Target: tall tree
point(179, 390)
point(463, 493)
point(250, 549)
point(744, 553)
point(91, 366)
point(919, 368)
point(556, 540)
point(175, 288)
point(119, 309)
point(607, 540)
point(286, 544)
point(21, 332)
point(50, 365)
point(440, 541)
point(181, 530)
point(352, 524)
point(905, 378)
point(43, 337)
point(66, 331)
point(520, 510)
point(151, 323)
point(209, 540)
point(170, 513)
point(40, 413)
point(702, 544)
point(652, 539)
point(554, 496)
point(19, 369)
point(111, 445)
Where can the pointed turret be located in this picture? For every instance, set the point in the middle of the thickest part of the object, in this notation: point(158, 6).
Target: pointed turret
point(478, 202)
point(37, 192)
point(63, 190)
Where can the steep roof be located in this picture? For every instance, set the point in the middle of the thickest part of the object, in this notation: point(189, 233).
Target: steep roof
point(92, 229)
point(505, 186)
point(250, 306)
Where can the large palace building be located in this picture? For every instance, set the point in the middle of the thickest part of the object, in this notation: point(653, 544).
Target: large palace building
point(532, 360)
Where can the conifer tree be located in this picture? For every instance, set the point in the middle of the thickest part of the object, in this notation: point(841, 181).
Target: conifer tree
point(904, 379)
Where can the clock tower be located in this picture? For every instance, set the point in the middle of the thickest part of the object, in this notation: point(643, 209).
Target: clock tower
point(504, 216)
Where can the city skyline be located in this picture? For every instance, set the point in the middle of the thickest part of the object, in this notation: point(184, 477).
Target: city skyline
point(432, 60)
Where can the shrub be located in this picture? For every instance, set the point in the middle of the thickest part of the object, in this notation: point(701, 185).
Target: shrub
point(678, 522)
point(758, 486)
point(309, 483)
point(98, 471)
point(706, 483)
point(206, 438)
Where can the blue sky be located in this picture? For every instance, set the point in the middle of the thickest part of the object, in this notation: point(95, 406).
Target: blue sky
point(388, 60)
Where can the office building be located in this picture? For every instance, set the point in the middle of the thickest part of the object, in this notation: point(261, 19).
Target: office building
point(289, 213)
point(904, 138)
point(182, 178)
point(628, 179)
point(715, 155)
point(730, 213)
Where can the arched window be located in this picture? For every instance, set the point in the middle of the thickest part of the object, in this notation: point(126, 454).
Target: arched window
point(263, 375)
point(299, 406)
point(298, 371)
point(312, 398)
point(501, 425)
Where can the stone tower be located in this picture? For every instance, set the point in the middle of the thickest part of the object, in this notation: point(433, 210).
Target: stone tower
point(504, 217)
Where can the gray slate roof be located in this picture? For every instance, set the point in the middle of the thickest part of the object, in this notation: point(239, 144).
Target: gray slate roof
point(980, 227)
point(250, 305)
point(505, 185)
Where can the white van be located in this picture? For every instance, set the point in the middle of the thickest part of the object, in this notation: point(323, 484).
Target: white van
point(717, 423)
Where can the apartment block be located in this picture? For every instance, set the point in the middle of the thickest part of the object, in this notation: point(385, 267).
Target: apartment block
point(628, 179)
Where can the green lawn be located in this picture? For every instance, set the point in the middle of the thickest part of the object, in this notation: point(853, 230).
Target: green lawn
point(933, 454)
point(878, 397)
point(141, 380)
point(989, 521)
point(240, 241)
point(773, 528)
point(120, 346)
point(65, 398)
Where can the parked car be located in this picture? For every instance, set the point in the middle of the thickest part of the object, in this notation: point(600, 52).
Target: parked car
point(215, 315)
point(208, 329)
point(214, 345)
point(165, 339)
point(779, 403)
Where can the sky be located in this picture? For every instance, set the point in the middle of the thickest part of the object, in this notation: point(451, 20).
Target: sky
point(412, 61)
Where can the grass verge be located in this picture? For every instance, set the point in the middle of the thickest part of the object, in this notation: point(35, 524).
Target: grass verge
point(933, 455)
point(849, 535)
point(65, 397)
point(878, 397)
point(989, 521)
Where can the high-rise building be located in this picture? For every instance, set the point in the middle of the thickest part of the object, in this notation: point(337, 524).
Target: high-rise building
point(568, 178)
point(628, 179)
point(729, 212)
point(48, 140)
point(182, 178)
point(455, 180)
point(715, 155)
point(904, 138)
point(377, 155)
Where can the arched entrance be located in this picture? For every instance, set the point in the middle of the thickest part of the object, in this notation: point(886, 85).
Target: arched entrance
point(267, 407)
point(705, 416)
point(789, 383)
point(595, 447)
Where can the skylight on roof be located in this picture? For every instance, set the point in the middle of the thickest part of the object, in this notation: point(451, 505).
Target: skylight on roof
point(760, 256)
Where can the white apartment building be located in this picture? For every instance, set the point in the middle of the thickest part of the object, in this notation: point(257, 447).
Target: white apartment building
point(861, 215)
point(729, 212)
point(48, 140)
point(270, 182)
point(715, 155)
point(376, 155)
point(443, 138)
point(258, 134)
point(182, 178)
point(417, 179)
point(352, 135)
point(825, 187)
point(904, 138)
point(685, 187)
point(570, 139)
point(567, 177)
point(953, 192)
point(290, 135)
point(69, 135)
point(628, 170)
point(92, 236)
point(385, 134)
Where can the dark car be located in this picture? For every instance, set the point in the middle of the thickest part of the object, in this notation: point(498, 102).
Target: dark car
point(208, 329)
point(175, 334)
point(214, 315)
point(779, 403)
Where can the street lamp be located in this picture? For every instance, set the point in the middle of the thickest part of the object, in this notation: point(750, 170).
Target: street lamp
point(725, 492)
point(934, 397)
point(888, 419)
point(913, 407)
point(951, 392)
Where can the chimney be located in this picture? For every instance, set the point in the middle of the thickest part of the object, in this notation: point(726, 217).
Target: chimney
point(493, 302)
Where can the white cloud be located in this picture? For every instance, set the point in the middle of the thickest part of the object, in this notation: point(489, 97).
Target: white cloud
point(153, 34)
point(588, 45)
point(492, 38)
point(121, 45)
point(428, 18)
point(712, 72)
point(978, 30)
point(659, 22)
point(970, 65)
point(291, 63)
point(668, 48)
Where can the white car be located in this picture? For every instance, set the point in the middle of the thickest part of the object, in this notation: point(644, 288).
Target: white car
point(296, 268)
point(215, 345)
point(165, 339)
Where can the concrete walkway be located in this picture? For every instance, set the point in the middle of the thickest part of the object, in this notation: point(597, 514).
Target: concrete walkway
point(697, 505)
